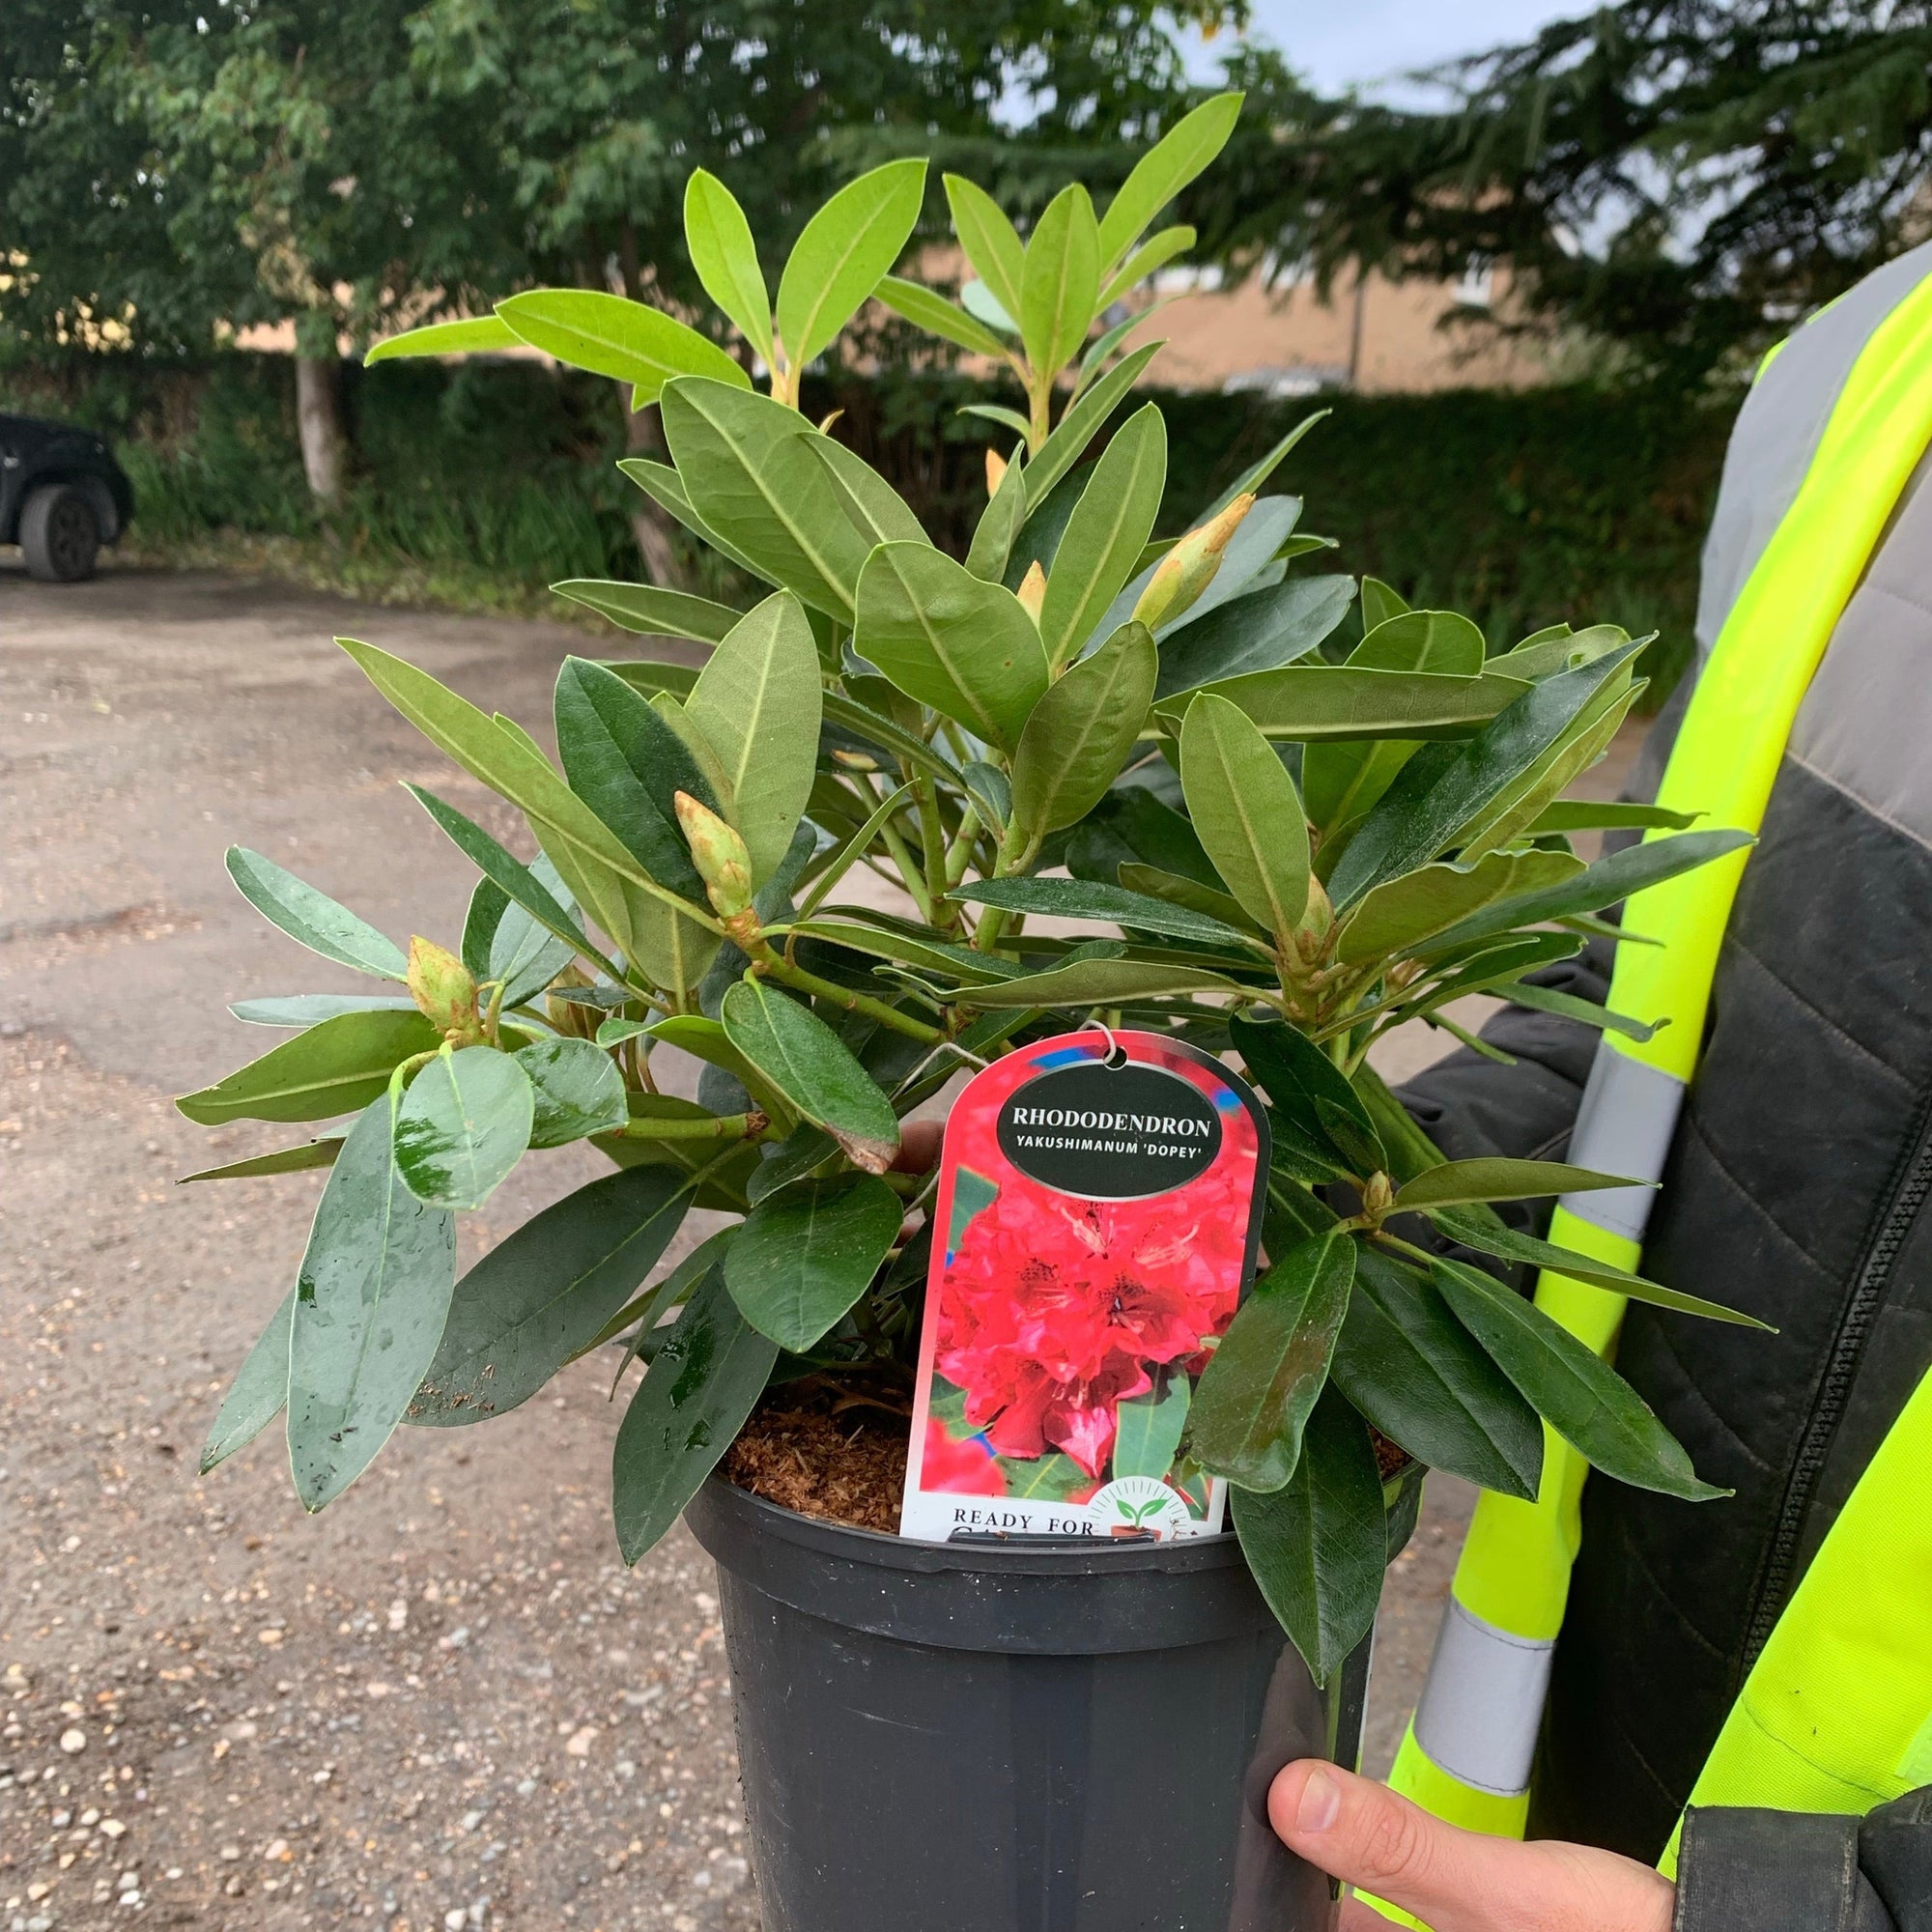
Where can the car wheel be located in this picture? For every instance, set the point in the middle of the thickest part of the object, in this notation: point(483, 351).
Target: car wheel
point(59, 535)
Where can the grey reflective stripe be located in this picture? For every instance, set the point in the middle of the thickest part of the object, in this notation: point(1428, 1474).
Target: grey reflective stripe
point(1778, 429)
point(1483, 1704)
point(1624, 1126)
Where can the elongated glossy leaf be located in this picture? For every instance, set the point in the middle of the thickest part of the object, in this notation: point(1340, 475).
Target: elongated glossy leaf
point(651, 611)
point(371, 1298)
point(1247, 812)
point(1580, 1396)
point(1380, 604)
point(707, 1040)
point(663, 486)
point(1100, 982)
point(1320, 1547)
point(814, 1070)
point(726, 258)
point(928, 309)
point(1130, 825)
point(1547, 1000)
point(876, 511)
point(992, 245)
point(1496, 1179)
point(1403, 911)
point(523, 956)
point(488, 904)
point(807, 1252)
point(1423, 809)
point(258, 1394)
point(1081, 424)
point(702, 1387)
point(1495, 1237)
point(1087, 899)
point(946, 638)
point(464, 1123)
point(1164, 170)
point(751, 477)
point(1307, 1087)
point(610, 335)
point(307, 1010)
point(284, 1160)
point(1062, 282)
point(1151, 256)
point(648, 676)
point(1561, 649)
point(537, 1297)
point(1152, 882)
point(1110, 526)
point(483, 336)
point(1604, 883)
point(1148, 1429)
point(757, 704)
point(1415, 1372)
point(999, 523)
point(1589, 815)
point(1258, 472)
point(1082, 732)
point(1247, 562)
point(1262, 1379)
point(313, 918)
point(850, 927)
point(1260, 632)
point(842, 253)
point(576, 1091)
point(1312, 702)
point(336, 1067)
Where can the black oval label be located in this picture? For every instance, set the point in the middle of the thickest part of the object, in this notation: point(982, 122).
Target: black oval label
point(1110, 1133)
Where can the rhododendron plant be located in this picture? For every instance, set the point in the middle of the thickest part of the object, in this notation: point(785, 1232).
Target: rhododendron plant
point(1132, 716)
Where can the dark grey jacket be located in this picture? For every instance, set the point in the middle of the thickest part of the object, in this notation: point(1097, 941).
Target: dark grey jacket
point(1796, 1189)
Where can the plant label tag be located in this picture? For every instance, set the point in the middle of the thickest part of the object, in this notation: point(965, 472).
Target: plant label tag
point(1096, 1224)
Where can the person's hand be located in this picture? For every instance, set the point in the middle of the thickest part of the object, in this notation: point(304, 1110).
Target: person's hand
point(1455, 1881)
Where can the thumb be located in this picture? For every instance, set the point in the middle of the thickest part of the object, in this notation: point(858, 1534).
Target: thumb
point(1457, 1880)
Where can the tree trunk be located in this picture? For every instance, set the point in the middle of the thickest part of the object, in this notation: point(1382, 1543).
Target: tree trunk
point(318, 422)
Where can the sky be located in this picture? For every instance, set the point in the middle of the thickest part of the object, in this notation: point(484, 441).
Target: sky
point(1355, 43)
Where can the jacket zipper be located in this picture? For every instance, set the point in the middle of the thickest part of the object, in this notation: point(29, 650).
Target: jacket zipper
point(1906, 1194)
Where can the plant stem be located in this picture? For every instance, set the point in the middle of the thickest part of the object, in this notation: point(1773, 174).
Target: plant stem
point(793, 974)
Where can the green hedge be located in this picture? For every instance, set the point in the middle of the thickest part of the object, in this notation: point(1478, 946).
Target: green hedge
point(1520, 509)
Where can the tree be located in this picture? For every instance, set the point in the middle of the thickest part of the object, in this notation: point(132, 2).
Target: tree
point(1681, 177)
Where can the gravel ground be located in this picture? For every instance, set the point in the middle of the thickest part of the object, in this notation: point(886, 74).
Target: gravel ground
point(443, 1702)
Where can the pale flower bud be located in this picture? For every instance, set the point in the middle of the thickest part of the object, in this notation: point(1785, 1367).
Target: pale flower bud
point(996, 471)
point(1189, 567)
point(444, 991)
point(1033, 589)
point(719, 856)
point(1378, 1196)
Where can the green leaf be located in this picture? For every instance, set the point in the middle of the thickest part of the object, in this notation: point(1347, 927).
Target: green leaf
point(1428, 802)
point(1601, 883)
point(1099, 983)
point(627, 764)
point(807, 1252)
point(992, 247)
point(1310, 1090)
point(928, 309)
point(336, 1067)
point(1561, 649)
point(313, 918)
point(1589, 815)
point(1152, 255)
point(371, 1298)
point(1319, 1549)
point(1153, 883)
point(1379, 605)
point(1495, 1179)
point(1415, 1372)
point(576, 1089)
point(1051, 1478)
point(542, 1293)
point(700, 1392)
point(1082, 424)
point(814, 1070)
point(726, 258)
point(911, 750)
point(707, 1040)
point(663, 486)
point(1260, 632)
point(1082, 732)
point(1262, 1382)
point(648, 676)
point(1148, 1429)
point(653, 612)
point(1258, 472)
point(1105, 535)
point(1131, 824)
point(1495, 1237)
point(258, 1394)
point(1311, 702)
point(999, 524)
point(284, 1160)
point(488, 904)
point(1580, 1396)
point(307, 1010)
point(613, 337)
point(483, 336)
point(525, 957)
point(1247, 812)
point(744, 460)
point(463, 1125)
point(949, 639)
point(1087, 899)
point(876, 511)
point(844, 249)
point(998, 412)
point(1394, 915)
point(1547, 1000)
point(1164, 170)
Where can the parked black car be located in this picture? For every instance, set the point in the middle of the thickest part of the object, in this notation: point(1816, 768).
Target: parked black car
point(62, 497)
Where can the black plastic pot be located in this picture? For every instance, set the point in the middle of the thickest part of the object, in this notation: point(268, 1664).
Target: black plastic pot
point(999, 1739)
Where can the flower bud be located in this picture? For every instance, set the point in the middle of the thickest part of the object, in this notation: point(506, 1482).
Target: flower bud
point(1311, 938)
point(1033, 589)
point(719, 856)
point(444, 991)
point(1189, 567)
point(1378, 1196)
point(996, 471)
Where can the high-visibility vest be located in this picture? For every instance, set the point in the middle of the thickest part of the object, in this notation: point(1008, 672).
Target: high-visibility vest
point(1861, 1620)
